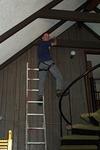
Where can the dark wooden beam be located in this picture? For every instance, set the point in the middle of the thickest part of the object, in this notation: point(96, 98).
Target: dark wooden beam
point(71, 16)
point(27, 21)
point(91, 31)
point(57, 25)
point(79, 44)
point(31, 18)
point(61, 22)
point(91, 51)
point(34, 42)
point(34, 16)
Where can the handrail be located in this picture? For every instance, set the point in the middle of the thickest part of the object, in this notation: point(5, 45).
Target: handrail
point(69, 86)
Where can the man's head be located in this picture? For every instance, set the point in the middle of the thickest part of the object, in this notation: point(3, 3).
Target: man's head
point(45, 37)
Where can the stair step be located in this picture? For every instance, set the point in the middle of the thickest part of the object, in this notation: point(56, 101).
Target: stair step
point(88, 127)
point(80, 137)
point(85, 129)
point(89, 116)
point(80, 140)
point(79, 147)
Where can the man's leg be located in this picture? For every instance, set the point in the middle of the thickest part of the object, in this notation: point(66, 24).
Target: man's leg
point(42, 77)
point(59, 79)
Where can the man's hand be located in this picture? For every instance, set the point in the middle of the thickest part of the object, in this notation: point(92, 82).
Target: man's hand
point(53, 41)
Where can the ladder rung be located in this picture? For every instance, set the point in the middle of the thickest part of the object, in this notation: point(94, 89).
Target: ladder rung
point(33, 114)
point(34, 90)
point(4, 144)
point(3, 147)
point(3, 141)
point(35, 143)
point(35, 128)
point(34, 79)
point(34, 69)
point(34, 102)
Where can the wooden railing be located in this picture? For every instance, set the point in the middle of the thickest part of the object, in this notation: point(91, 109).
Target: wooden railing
point(6, 144)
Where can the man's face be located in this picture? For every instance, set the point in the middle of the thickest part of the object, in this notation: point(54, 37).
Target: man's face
point(45, 37)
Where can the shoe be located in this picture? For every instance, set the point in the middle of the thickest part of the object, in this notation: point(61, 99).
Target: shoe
point(59, 93)
point(40, 98)
point(68, 127)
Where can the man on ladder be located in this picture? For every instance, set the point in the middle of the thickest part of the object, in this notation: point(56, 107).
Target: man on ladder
point(46, 64)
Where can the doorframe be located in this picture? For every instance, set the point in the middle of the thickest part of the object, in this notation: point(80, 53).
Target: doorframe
point(91, 108)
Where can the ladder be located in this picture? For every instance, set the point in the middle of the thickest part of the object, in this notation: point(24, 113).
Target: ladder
point(37, 128)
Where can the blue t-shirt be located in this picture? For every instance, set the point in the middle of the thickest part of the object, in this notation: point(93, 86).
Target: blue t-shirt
point(43, 51)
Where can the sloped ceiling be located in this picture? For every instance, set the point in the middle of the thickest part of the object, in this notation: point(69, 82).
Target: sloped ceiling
point(13, 12)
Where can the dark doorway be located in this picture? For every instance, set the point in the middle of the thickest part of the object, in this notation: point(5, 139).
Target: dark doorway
point(93, 82)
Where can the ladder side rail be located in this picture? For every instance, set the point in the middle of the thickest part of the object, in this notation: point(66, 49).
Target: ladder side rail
point(44, 125)
point(26, 104)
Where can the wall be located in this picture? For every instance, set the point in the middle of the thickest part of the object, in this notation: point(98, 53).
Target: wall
point(13, 95)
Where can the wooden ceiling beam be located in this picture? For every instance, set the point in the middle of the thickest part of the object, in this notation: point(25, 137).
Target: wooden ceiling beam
point(27, 21)
point(71, 16)
point(91, 31)
point(61, 22)
point(79, 44)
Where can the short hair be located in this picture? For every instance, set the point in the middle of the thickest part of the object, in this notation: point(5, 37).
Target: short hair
point(44, 34)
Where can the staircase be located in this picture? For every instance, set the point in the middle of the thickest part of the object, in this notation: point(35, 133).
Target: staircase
point(84, 136)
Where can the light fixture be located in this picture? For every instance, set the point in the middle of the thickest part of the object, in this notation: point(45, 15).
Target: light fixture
point(72, 53)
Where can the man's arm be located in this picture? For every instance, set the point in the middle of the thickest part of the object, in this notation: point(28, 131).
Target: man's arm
point(53, 41)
